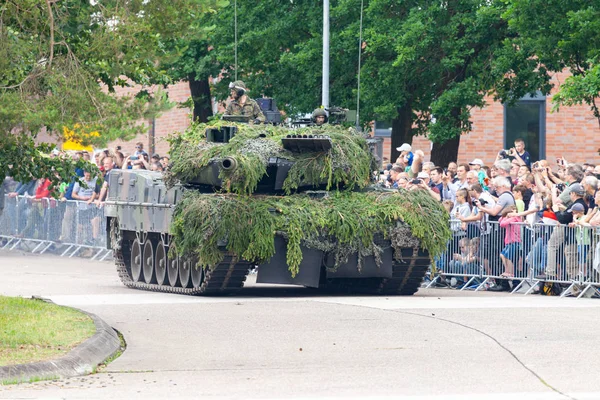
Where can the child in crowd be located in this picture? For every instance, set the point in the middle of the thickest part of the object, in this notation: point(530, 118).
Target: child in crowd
point(518, 192)
point(406, 153)
point(465, 261)
point(582, 237)
point(512, 241)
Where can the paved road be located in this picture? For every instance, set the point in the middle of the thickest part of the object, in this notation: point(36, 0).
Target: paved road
point(274, 342)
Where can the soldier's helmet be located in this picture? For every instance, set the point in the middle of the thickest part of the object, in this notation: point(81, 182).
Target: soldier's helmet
point(238, 85)
point(319, 112)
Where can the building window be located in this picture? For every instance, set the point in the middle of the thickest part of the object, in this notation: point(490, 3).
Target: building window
point(527, 120)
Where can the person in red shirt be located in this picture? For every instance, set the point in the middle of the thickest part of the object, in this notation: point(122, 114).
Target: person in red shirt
point(38, 218)
point(43, 189)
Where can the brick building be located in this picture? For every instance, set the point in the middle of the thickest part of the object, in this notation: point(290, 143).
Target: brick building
point(175, 120)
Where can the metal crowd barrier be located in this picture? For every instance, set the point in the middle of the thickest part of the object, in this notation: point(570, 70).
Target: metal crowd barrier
point(64, 227)
point(478, 257)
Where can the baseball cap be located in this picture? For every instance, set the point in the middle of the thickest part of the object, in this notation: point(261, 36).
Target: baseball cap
point(404, 147)
point(577, 189)
point(476, 161)
point(577, 207)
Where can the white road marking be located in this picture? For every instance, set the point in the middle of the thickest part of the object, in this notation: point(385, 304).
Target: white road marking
point(380, 302)
point(466, 302)
point(479, 396)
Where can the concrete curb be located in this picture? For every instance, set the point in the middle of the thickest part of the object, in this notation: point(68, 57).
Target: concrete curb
point(79, 361)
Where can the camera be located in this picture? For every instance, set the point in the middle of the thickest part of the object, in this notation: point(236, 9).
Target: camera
point(133, 158)
point(560, 187)
point(482, 202)
point(416, 181)
point(503, 153)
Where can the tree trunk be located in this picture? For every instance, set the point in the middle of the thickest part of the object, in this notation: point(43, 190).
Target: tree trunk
point(402, 130)
point(200, 91)
point(444, 154)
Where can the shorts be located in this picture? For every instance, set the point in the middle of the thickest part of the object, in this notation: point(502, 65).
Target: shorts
point(511, 251)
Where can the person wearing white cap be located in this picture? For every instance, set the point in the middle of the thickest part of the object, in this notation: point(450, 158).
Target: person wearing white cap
point(406, 153)
point(476, 164)
point(414, 167)
point(424, 176)
point(404, 147)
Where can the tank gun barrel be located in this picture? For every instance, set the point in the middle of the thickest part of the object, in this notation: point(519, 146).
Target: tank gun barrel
point(228, 164)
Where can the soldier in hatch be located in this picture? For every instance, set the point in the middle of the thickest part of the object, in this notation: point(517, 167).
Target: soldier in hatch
point(319, 117)
point(242, 104)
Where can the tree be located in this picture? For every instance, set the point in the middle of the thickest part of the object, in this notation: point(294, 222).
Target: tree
point(279, 52)
point(563, 34)
point(61, 61)
point(437, 61)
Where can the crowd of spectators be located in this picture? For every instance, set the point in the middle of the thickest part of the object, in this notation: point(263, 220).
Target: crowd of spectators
point(72, 210)
point(521, 214)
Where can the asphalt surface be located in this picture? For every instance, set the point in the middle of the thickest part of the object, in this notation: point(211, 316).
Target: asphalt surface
point(279, 342)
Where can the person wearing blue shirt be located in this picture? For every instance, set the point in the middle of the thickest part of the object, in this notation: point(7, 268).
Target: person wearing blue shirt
point(520, 153)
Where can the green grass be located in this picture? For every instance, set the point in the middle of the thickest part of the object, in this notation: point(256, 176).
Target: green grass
point(33, 330)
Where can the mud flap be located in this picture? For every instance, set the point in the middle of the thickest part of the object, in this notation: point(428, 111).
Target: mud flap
point(276, 269)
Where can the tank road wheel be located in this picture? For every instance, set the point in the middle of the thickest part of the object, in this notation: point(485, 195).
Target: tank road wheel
point(148, 265)
point(173, 271)
point(136, 260)
point(160, 263)
point(197, 275)
point(185, 272)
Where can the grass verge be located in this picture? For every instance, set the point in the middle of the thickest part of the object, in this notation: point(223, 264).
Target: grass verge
point(33, 330)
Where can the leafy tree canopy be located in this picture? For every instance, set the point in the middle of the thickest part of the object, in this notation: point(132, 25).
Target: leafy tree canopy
point(563, 34)
point(60, 62)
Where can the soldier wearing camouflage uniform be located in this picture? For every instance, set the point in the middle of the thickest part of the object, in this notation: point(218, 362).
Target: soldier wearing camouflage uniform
point(319, 117)
point(242, 104)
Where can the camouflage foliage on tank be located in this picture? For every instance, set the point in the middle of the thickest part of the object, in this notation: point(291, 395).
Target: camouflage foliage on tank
point(257, 173)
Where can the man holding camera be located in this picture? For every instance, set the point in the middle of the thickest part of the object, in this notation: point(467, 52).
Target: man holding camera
point(517, 153)
point(422, 182)
point(449, 189)
point(502, 186)
point(561, 191)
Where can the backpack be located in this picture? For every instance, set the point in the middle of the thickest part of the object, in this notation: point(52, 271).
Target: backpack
point(551, 289)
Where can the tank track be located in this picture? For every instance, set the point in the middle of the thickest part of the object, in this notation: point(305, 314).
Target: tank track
point(407, 275)
point(226, 278)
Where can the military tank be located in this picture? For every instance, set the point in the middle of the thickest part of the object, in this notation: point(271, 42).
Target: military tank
point(298, 203)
